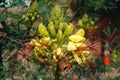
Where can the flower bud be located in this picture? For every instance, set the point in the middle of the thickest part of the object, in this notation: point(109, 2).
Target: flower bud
point(32, 18)
point(51, 28)
point(61, 25)
point(23, 17)
point(26, 19)
point(37, 16)
point(57, 12)
point(59, 35)
point(43, 30)
point(80, 23)
point(29, 14)
point(68, 30)
point(85, 18)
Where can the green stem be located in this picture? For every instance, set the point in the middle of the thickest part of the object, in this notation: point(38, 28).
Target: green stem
point(57, 72)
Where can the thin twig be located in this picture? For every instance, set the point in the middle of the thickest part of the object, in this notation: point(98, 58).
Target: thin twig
point(15, 41)
point(26, 40)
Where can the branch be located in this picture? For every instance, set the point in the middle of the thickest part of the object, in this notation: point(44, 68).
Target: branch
point(15, 41)
point(26, 40)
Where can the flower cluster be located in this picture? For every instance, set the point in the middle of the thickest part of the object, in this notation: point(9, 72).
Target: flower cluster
point(32, 13)
point(57, 41)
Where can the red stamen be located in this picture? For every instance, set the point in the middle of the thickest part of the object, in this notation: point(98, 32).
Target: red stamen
point(60, 65)
point(84, 48)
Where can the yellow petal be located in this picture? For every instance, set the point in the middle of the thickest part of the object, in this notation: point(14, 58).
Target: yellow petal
point(32, 42)
point(59, 51)
point(79, 60)
point(76, 38)
point(54, 59)
point(37, 48)
point(80, 44)
point(83, 58)
point(46, 40)
point(89, 57)
point(37, 44)
point(80, 32)
point(71, 46)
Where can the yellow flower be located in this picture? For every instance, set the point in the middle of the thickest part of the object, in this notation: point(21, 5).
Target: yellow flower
point(76, 44)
